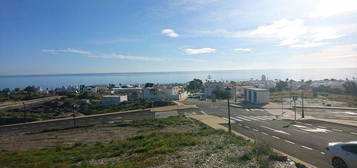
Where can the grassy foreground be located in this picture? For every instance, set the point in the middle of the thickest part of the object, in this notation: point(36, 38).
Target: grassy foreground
point(149, 148)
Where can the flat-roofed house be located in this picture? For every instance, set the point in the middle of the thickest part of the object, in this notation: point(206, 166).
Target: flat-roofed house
point(256, 95)
point(113, 99)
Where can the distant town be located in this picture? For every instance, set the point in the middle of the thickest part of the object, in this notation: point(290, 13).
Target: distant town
point(157, 119)
point(94, 99)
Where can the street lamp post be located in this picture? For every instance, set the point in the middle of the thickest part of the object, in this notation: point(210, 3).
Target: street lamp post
point(74, 116)
point(24, 111)
point(302, 104)
point(229, 117)
point(229, 110)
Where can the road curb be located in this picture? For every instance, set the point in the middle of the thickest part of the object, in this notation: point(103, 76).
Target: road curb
point(217, 126)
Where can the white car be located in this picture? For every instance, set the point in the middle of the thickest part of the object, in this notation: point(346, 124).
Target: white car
point(343, 154)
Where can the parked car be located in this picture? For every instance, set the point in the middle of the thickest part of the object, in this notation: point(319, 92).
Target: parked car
point(343, 154)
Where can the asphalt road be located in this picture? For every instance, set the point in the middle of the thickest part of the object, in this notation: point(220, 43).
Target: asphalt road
point(305, 140)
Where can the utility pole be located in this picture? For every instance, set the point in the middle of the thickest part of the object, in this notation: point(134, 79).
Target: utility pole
point(302, 104)
point(24, 111)
point(282, 105)
point(74, 116)
point(295, 108)
point(229, 117)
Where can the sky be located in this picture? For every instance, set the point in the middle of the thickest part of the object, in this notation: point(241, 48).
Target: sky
point(91, 36)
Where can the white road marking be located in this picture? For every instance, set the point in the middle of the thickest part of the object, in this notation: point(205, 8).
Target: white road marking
point(289, 141)
point(260, 118)
point(354, 133)
point(203, 112)
point(306, 147)
point(308, 124)
point(225, 118)
point(323, 153)
point(247, 127)
point(321, 126)
point(300, 131)
point(347, 112)
point(249, 118)
point(299, 126)
point(312, 129)
point(255, 130)
point(239, 124)
point(265, 133)
point(242, 118)
point(246, 109)
point(279, 131)
point(275, 137)
point(337, 130)
point(236, 119)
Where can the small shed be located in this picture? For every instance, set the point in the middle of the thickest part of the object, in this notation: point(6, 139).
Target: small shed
point(256, 95)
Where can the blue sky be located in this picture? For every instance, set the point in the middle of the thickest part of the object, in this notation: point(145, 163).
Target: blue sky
point(90, 36)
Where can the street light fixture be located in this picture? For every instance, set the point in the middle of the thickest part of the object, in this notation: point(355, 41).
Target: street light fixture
point(229, 111)
point(74, 114)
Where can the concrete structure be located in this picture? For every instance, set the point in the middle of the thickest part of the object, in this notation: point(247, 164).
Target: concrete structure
point(138, 92)
point(165, 93)
point(102, 88)
point(256, 95)
point(113, 99)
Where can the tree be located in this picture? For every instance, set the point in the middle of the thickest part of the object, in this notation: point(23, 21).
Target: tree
point(30, 89)
point(222, 93)
point(281, 85)
point(194, 86)
point(149, 85)
point(6, 90)
point(111, 86)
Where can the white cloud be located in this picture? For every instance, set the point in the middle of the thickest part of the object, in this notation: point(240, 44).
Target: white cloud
point(242, 49)
point(169, 33)
point(331, 53)
point(126, 57)
point(292, 33)
point(295, 33)
point(340, 56)
point(199, 50)
point(328, 8)
point(68, 50)
point(91, 55)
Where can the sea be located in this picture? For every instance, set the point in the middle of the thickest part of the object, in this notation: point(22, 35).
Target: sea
point(57, 80)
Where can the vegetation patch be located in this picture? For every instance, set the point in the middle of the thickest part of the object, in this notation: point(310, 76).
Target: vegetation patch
point(199, 146)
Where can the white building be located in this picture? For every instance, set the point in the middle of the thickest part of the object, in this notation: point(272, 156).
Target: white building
point(113, 99)
point(90, 89)
point(102, 88)
point(256, 95)
point(165, 93)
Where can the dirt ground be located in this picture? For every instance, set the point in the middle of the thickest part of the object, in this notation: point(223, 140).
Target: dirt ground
point(67, 137)
point(90, 135)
